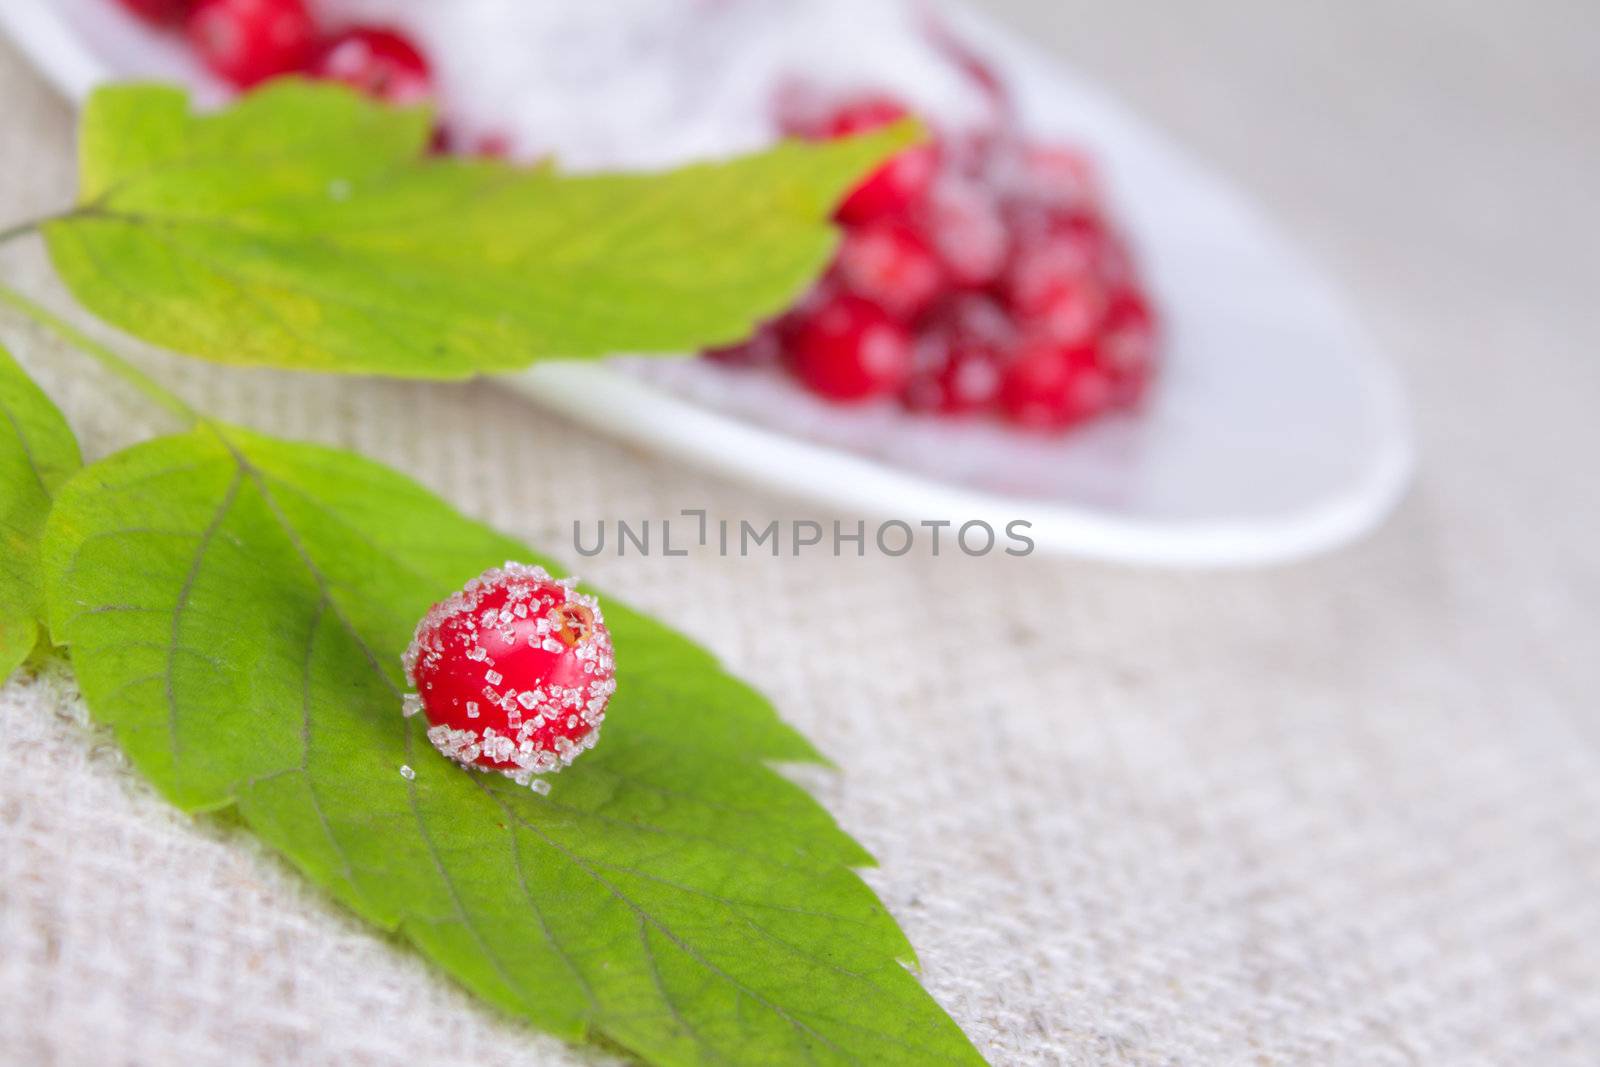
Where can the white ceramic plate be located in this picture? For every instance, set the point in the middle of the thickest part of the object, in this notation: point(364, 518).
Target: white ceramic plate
point(1275, 430)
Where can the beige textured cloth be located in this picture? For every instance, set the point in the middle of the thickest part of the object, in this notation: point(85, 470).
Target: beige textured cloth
point(1346, 812)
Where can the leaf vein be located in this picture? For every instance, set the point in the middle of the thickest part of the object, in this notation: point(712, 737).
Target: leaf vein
point(184, 591)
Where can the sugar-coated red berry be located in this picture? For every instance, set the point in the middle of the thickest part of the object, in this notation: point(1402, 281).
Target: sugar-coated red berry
point(1053, 288)
point(850, 349)
point(380, 62)
point(1069, 311)
point(976, 318)
point(248, 41)
point(889, 263)
point(1050, 386)
point(900, 182)
point(863, 115)
point(1128, 309)
point(1054, 176)
point(1127, 347)
point(161, 12)
point(959, 356)
point(1054, 242)
point(513, 672)
point(951, 378)
point(894, 187)
point(964, 224)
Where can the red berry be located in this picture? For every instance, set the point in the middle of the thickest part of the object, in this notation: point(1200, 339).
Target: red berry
point(964, 223)
point(1127, 309)
point(1127, 348)
point(513, 672)
point(1053, 289)
point(379, 62)
point(899, 183)
point(1065, 241)
point(1050, 386)
point(1054, 176)
point(967, 380)
point(894, 187)
point(959, 356)
point(974, 318)
point(850, 349)
point(1072, 310)
point(951, 378)
point(162, 12)
point(864, 115)
point(249, 41)
point(890, 265)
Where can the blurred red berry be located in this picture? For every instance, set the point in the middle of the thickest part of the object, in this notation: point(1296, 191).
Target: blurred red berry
point(1049, 386)
point(973, 317)
point(952, 379)
point(379, 62)
point(890, 265)
point(850, 349)
point(1127, 347)
point(161, 12)
point(964, 224)
point(959, 356)
point(248, 41)
point(864, 115)
point(1072, 240)
point(1054, 177)
point(1053, 292)
point(899, 183)
point(1070, 311)
point(894, 187)
point(1094, 239)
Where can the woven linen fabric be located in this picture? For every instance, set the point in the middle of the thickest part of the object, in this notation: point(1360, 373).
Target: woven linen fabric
point(1337, 813)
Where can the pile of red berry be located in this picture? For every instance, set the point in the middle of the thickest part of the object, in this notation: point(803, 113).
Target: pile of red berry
point(977, 273)
point(248, 41)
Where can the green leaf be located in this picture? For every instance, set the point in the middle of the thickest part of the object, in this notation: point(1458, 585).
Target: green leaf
point(304, 227)
point(236, 608)
point(17, 639)
point(37, 454)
